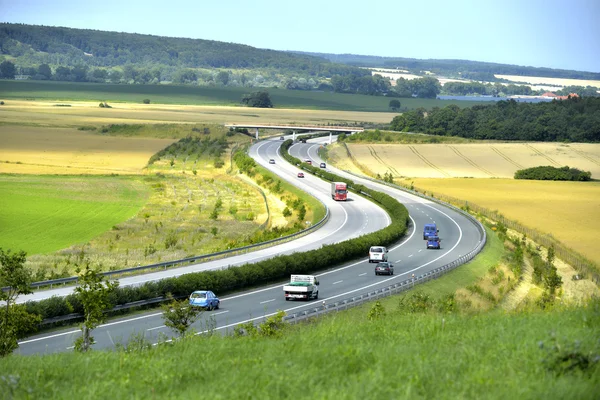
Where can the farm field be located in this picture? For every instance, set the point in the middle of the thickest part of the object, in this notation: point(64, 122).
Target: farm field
point(40, 214)
point(200, 95)
point(566, 210)
point(45, 113)
point(569, 211)
point(551, 81)
point(38, 150)
point(474, 160)
point(174, 218)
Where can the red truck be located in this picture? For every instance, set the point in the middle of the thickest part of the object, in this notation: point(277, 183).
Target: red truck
point(339, 191)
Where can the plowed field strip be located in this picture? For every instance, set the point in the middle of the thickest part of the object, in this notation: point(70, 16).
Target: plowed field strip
point(376, 156)
point(501, 154)
point(584, 155)
point(471, 162)
point(542, 154)
point(429, 163)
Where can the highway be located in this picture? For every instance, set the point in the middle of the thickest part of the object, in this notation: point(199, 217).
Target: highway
point(348, 219)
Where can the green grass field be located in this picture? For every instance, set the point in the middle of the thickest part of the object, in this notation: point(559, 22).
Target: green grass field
point(44, 213)
point(177, 94)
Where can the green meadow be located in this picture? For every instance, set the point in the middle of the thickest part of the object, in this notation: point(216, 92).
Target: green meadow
point(45, 213)
point(195, 95)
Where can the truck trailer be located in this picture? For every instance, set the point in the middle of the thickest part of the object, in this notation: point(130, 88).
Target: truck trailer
point(339, 191)
point(304, 287)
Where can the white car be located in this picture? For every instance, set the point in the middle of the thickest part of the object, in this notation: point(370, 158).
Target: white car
point(378, 254)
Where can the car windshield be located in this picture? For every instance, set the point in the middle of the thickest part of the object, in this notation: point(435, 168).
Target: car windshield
point(198, 295)
point(377, 250)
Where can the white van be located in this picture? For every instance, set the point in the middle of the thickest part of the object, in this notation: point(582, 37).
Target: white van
point(378, 254)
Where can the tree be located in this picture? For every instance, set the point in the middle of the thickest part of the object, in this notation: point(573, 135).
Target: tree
point(115, 76)
point(7, 70)
point(223, 77)
point(179, 315)
point(93, 293)
point(259, 99)
point(17, 279)
point(45, 71)
point(394, 105)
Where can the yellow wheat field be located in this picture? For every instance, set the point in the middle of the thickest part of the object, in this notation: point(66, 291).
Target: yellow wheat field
point(570, 211)
point(36, 150)
point(479, 160)
point(87, 113)
point(552, 81)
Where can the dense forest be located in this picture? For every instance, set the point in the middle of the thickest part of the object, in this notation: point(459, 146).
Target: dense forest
point(82, 55)
point(576, 120)
point(476, 70)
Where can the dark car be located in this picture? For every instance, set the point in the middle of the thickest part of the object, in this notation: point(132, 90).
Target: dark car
point(205, 299)
point(281, 138)
point(300, 174)
point(271, 161)
point(323, 165)
point(384, 268)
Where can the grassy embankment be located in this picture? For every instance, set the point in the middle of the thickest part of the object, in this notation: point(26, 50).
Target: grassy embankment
point(68, 216)
point(177, 94)
point(403, 353)
point(565, 210)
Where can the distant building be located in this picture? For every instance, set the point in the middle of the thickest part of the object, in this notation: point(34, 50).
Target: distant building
point(557, 97)
point(566, 97)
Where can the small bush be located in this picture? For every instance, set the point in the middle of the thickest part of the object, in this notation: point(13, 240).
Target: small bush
point(146, 101)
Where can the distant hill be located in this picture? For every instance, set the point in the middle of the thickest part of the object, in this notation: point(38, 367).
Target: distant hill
point(32, 45)
point(452, 68)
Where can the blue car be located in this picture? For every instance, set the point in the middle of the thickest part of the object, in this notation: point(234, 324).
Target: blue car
point(205, 299)
point(433, 242)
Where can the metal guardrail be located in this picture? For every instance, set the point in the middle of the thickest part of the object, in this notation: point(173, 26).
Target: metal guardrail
point(165, 265)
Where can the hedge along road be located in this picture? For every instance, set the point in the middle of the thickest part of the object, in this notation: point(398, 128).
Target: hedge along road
point(335, 284)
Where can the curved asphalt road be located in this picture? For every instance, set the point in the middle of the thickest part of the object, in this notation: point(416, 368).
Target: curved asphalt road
point(458, 233)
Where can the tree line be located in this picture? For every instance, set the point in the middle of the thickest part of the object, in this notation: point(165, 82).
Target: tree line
point(476, 70)
point(85, 55)
point(576, 119)
point(499, 89)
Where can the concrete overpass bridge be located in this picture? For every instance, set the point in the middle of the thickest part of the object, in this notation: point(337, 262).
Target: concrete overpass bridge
point(295, 128)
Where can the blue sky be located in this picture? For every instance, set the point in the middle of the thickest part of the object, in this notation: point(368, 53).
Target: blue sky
point(540, 33)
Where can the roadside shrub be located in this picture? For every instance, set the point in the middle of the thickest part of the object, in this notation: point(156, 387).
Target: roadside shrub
point(417, 302)
point(171, 240)
point(376, 312)
point(146, 101)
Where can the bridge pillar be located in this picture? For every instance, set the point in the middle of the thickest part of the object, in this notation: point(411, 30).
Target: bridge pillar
point(294, 136)
point(256, 134)
point(330, 137)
